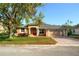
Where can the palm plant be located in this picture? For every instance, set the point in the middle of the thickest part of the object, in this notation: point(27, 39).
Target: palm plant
point(68, 27)
point(38, 19)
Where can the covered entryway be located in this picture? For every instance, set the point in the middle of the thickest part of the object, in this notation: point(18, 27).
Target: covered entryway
point(33, 31)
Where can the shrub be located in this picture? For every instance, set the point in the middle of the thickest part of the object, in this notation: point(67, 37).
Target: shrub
point(69, 32)
point(3, 36)
point(22, 34)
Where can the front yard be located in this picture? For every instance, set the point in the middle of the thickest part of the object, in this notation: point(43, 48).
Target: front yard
point(28, 40)
point(76, 36)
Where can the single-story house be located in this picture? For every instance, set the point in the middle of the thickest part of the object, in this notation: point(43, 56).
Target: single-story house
point(34, 30)
point(2, 28)
point(75, 30)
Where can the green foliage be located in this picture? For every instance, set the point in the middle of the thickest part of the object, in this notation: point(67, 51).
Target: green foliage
point(69, 32)
point(68, 27)
point(28, 40)
point(15, 12)
point(3, 36)
point(38, 19)
point(11, 14)
point(68, 23)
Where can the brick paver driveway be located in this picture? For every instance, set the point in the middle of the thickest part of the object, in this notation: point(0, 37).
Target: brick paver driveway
point(67, 41)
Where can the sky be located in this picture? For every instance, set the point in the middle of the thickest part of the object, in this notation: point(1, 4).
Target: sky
point(58, 14)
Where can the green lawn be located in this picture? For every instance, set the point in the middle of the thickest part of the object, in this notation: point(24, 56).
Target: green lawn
point(28, 40)
point(75, 36)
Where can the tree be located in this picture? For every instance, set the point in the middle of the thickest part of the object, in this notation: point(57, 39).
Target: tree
point(68, 23)
point(38, 19)
point(11, 14)
point(68, 27)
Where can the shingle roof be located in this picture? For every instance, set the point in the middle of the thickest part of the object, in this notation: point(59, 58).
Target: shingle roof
point(45, 26)
point(21, 27)
point(48, 26)
point(76, 26)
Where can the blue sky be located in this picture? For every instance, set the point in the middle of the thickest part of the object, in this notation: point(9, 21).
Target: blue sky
point(58, 14)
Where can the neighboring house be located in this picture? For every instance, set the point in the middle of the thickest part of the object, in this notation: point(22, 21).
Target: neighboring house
point(21, 31)
point(43, 30)
point(1, 28)
point(75, 30)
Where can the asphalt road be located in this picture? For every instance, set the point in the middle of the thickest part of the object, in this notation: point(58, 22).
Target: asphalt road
point(40, 51)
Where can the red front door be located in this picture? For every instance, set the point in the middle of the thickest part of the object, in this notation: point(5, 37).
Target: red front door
point(33, 31)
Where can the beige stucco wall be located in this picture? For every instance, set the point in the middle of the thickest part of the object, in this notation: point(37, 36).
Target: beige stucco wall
point(49, 33)
point(19, 31)
point(52, 33)
point(76, 31)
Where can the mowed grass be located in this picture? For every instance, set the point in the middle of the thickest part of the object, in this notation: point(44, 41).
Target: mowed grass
point(28, 40)
point(76, 36)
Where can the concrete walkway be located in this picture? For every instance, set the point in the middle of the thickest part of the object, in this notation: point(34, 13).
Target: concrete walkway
point(67, 41)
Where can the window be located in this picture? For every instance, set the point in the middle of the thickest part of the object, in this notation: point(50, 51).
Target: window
point(22, 30)
point(42, 32)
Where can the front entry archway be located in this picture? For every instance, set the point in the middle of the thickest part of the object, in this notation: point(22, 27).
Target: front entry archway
point(33, 31)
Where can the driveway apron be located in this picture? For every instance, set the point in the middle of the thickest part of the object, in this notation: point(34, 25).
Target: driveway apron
point(67, 41)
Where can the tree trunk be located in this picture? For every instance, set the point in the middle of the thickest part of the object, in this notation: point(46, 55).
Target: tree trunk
point(11, 34)
point(10, 28)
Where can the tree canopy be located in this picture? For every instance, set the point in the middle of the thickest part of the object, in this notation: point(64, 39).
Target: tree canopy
point(38, 19)
point(11, 14)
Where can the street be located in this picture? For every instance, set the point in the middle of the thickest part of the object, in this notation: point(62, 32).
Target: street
point(40, 51)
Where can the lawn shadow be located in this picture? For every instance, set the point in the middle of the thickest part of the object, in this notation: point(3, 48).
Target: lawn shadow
point(3, 36)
